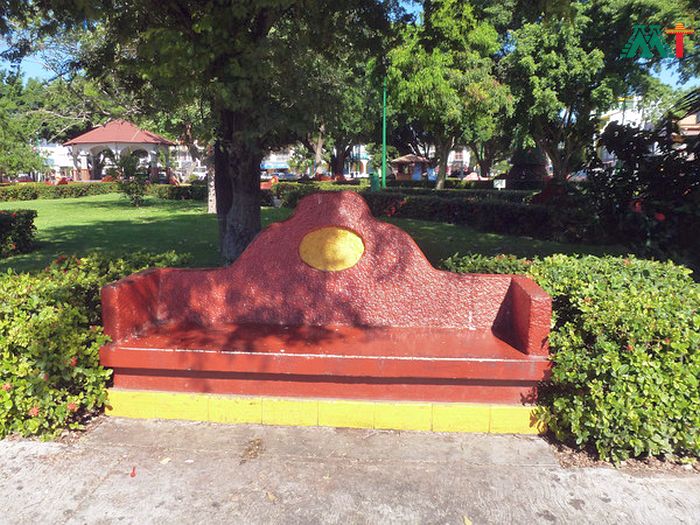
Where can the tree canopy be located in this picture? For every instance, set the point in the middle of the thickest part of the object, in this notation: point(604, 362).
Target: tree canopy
point(442, 76)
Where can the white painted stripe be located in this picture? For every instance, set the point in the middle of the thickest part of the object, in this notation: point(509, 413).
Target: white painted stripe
point(529, 359)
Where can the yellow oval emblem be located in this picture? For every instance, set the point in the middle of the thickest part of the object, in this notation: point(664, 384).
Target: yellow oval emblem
point(331, 249)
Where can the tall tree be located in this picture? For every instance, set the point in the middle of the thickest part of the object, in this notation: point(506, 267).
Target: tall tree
point(240, 55)
point(565, 67)
point(442, 77)
point(16, 135)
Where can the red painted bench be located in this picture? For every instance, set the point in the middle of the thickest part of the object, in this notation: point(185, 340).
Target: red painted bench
point(389, 326)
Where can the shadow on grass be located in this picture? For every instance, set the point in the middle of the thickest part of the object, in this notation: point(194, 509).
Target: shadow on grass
point(194, 234)
point(123, 204)
point(182, 226)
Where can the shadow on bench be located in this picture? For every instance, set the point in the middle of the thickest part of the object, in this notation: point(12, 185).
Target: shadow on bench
point(330, 303)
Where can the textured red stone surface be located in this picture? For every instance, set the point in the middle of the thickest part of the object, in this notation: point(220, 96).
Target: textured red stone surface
point(390, 316)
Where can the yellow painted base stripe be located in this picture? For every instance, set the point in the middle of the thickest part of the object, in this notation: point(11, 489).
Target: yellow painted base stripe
point(389, 415)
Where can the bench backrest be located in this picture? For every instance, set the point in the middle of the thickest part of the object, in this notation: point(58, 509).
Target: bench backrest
point(332, 263)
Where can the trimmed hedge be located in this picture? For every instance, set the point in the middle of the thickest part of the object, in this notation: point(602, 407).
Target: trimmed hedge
point(518, 196)
point(282, 189)
point(195, 192)
point(465, 184)
point(495, 216)
point(625, 345)
point(50, 334)
point(31, 191)
point(494, 211)
point(492, 215)
point(28, 191)
point(16, 231)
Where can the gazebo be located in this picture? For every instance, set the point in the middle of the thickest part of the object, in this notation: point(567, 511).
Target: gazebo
point(118, 136)
point(410, 167)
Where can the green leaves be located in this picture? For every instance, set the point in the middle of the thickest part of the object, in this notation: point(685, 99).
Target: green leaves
point(50, 335)
point(441, 75)
point(626, 350)
point(16, 231)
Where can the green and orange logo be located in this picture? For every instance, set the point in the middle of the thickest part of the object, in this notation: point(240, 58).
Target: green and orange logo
point(648, 41)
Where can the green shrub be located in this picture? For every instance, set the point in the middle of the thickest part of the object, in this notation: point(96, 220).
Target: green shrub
point(132, 177)
point(291, 192)
point(27, 191)
point(50, 334)
point(453, 183)
point(266, 198)
point(625, 348)
point(496, 216)
point(178, 193)
point(488, 210)
point(518, 196)
point(16, 231)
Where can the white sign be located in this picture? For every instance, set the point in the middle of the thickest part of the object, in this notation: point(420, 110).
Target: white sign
point(499, 184)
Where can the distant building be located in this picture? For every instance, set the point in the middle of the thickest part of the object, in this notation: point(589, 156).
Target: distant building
point(459, 160)
point(689, 126)
point(628, 112)
point(59, 160)
point(117, 136)
point(357, 164)
point(277, 161)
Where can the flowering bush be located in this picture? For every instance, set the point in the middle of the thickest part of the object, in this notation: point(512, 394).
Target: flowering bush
point(650, 198)
point(625, 344)
point(50, 334)
point(16, 231)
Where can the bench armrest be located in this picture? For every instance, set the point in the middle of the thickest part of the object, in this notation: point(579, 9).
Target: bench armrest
point(529, 316)
point(130, 305)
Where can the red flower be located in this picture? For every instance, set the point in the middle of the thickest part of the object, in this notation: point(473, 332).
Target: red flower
point(636, 206)
point(660, 216)
point(34, 411)
point(73, 361)
point(7, 387)
point(72, 407)
point(46, 377)
point(630, 348)
point(14, 215)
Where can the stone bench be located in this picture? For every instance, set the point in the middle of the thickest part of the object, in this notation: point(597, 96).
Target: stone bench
point(329, 303)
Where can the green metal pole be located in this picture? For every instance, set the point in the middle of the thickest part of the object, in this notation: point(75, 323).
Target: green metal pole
point(384, 136)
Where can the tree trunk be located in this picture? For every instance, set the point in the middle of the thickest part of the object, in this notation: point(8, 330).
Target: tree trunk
point(318, 154)
point(443, 153)
point(211, 191)
point(338, 160)
point(211, 178)
point(485, 166)
point(560, 165)
point(237, 179)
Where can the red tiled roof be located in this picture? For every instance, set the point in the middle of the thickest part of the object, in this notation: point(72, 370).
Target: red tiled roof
point(118, 131)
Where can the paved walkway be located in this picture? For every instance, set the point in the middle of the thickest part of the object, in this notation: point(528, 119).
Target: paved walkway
point(206, 473)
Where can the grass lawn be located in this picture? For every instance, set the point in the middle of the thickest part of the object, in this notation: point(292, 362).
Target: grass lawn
point(109, 224)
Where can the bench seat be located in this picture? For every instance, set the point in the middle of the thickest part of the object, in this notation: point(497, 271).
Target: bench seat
point(438, 364)
point(327, 351)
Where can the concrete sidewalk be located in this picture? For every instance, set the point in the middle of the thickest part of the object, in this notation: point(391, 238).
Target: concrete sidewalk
point(207, 473)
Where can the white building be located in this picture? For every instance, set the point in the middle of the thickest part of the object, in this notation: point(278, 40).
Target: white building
point(628, 112)
point(59, 160)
